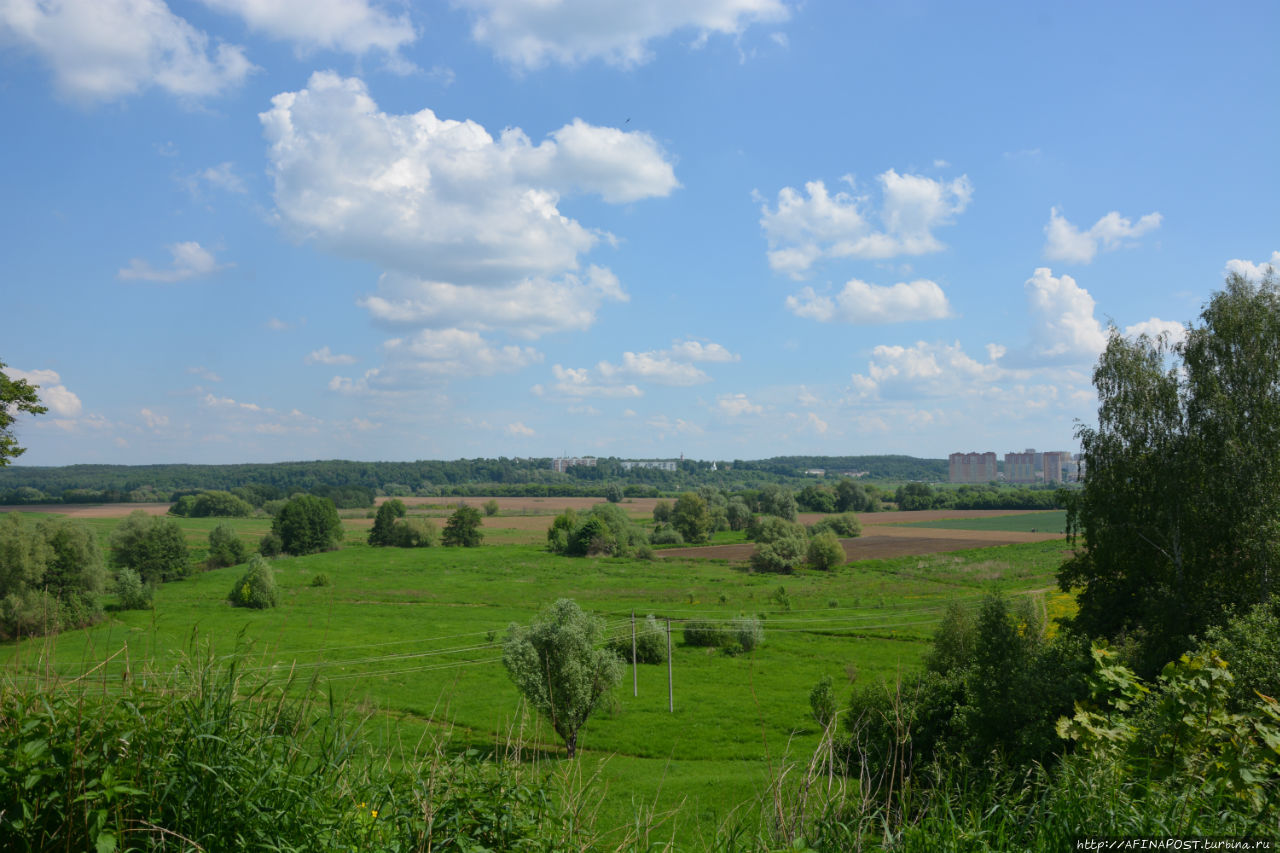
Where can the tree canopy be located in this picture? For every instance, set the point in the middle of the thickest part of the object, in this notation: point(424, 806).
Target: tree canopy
point(561, 667)
point(307, 524)
point(16, 395)
point(1180, 510)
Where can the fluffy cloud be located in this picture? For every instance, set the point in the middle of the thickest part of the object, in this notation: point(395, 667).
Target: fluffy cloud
point(107, 49)
point(807, 227)
point(672, 367)
point(923, 369)
point(154, 421)
point(466, 225)
point(532, 33)
point(518, 429)
point(1065, 327)
point(1066, 242)
point(190, 260)
point(1252, 271)
point(53, 394)
point(529, 308)
point(439, 199)
point(352, 26)
point(1153, 328)
point(204, 373)
point(861, 303)
point(325, 356)
point(453, 353)
point(737, 405)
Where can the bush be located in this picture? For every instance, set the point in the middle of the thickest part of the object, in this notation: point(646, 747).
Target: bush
point(665, 534)
point(742, 634)
point(226, 548)
point(256, 588)
point(307, 524)
point(321, 580)
point(1250, 642)
point(153, 547)
point(613, 493)
point(651, 643)
point(490, 507)
point(708, 634)
point(604, 529)
point(748, 632)
point(783, 555)
point(825, 551)
point(270, 546)
point(383, 531)
point(132, 592)
point(414, 533)
point(845, 525)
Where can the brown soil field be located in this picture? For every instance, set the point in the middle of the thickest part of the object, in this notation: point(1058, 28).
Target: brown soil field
point(92, 510)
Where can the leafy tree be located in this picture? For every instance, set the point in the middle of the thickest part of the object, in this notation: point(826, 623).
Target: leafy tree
point(414, 533)
point(662, 512)
point(256, 588)
point(132, 592)
point(850, 496)
point(213, 504)
point(815, 498)
point(845, 525)
point(1180, 510)
point(463, 528)
point(613, 493)
point(51, 576)
point(690, 517)
point(738, 514)
point(153, 547)
point(307, 524)
point(16, 395)
point(490, 507)
point(822, 702)
point(226, 548)
point(558, 666)
point(776, 500)
point(270, 545)
point(825, 551)
point(383, 532)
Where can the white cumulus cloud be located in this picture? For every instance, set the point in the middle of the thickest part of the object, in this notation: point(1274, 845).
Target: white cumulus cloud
point(451, 354)
point(52, 393)
point(102, 50)
point(352, 26)
point(1155, 327)
point(1252, 271)
point(190, 260)
point(737, 405)
point(807, 227)
point(533, 33)
point(860, 303)
point(1065, 327)
point(518, 428)
point(325, 356)
point(1066, 242)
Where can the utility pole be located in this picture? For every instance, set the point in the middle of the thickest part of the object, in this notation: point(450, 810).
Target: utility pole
point(671, 692)
point(635, 678)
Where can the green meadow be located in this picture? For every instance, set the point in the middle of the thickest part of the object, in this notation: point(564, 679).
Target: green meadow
point(1050, 521)
point(412, 640)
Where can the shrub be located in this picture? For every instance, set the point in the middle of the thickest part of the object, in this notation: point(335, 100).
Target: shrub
point(270, 546)
point(825, 551)
point(153, 547)
point(665, 534)
point(604, 529)
point(415, 533)
point(613, 493)
point(742, 634)
point(845, 525)
point(132, 592)
point(226, 548)
point(256, 588)
point(748, 632)
point(321, 579)
point(651, 643)
point(783, 555)
point(490, 507)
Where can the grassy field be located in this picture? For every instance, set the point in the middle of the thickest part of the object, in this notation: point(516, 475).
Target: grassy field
point(1051, 521)
point(412, 638)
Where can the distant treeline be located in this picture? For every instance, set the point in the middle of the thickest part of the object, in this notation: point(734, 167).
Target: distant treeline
point(501, 477)
point(913, 496)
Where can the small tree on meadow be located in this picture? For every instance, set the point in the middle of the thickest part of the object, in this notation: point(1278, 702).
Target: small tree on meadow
point(613, 493)
point(153, 547)
point(226, 548)
point(825, 551)
point(560, 667)
point(490, 507)
point(383, 532)
point(307, 524)
point(463, 528)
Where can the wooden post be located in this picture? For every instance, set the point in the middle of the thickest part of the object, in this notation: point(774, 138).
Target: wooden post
point(671, 692)
point(635, 678)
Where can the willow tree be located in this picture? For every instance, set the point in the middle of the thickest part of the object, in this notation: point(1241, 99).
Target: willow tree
point(561, 666)
point(1181, 499)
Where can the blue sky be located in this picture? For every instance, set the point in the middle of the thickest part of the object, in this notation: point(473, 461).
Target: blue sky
point(260, 230)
